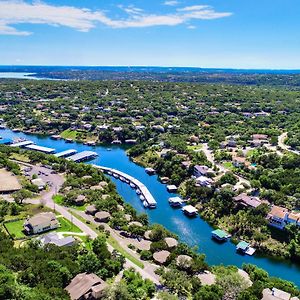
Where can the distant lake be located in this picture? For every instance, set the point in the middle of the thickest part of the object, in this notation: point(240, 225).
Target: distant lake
point(18, 75)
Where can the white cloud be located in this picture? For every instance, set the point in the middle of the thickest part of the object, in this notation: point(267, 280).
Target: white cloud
point(81, 19)
point(171, 3)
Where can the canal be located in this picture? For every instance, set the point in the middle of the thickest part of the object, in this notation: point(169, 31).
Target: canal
point(194, 232)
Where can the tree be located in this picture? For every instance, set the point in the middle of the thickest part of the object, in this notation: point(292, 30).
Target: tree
point(208, 292)
point(21, 195)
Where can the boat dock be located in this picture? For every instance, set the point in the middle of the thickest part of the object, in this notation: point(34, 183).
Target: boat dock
point(66, 153)
point(40, 149)
point(148, 198)
point(22, 144)
point(82, 156)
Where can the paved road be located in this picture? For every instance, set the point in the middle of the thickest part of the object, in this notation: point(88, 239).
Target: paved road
point(283, 146)
point(56, 181)
point(149, 268)
point(222, 169)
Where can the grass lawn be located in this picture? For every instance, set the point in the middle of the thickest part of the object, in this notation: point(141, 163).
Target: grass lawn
point(58, 199)
point(228, 165)
point(20, 157)
point(66, 226)
point(69, 134)
point(15, 228)
point(194, 148)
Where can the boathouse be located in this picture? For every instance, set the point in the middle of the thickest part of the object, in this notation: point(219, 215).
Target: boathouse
point(219, 235)
point(190, 210)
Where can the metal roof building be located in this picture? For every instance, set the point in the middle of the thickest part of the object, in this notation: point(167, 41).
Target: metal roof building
point(22, 144)
point(40, 148)
point(66, 153)
point(84, 155)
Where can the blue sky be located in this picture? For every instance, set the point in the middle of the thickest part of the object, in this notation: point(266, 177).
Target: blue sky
point(198, 33)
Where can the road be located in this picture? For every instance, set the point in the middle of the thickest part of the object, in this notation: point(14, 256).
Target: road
point(283, 146)
point(55, 182)
point(221, 168)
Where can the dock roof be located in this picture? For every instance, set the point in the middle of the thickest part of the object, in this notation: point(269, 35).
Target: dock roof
point(66, 153)
point(242, 245)
point(190, 209)
point(40, 148)
point(220, 233)
point(21, 144)
point(82, 155)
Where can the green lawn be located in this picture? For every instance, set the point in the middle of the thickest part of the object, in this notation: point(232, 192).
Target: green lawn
point(69, 134)
point(228, 165)
point(66, 226)
point(194, 148)
point(20, 157)
point(58, 199)
point(15, 228)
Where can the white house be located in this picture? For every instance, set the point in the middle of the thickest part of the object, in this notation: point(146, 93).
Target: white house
point(278, 217)
point(40, 223)
point(204, 181)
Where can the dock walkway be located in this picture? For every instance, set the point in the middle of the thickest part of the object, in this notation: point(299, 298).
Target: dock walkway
point(143, 189)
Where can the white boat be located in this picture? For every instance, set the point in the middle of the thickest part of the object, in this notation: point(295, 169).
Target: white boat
point(138, 191)
point(142, 198)
point(145, 204)
point(132, 185)
point(116, 175)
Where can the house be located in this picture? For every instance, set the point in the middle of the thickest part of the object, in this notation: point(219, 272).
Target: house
point(55, 239)
point(39, 182)
point(259, 136)
point(79, 200)
point(40, 223)
point(239, 161)
point(204, 181)
point(294, 218)
point(247, 201)
point(102, 216)
point(276, 294)
point(86, 286)
point(200, 170)
point(91, 210)
point(277, 217)
point(161, 257)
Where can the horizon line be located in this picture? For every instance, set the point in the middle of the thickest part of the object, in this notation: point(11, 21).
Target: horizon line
point(152, 66)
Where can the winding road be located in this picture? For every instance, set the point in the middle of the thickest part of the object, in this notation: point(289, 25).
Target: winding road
point(56, 181)
point(283, 146)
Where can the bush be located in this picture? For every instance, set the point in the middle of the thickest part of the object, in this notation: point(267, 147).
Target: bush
point(146, 255)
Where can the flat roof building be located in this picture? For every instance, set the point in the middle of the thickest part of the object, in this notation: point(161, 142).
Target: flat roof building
point(81, 156)
point(66, 153)
point(40, 149)
point(21, 144)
